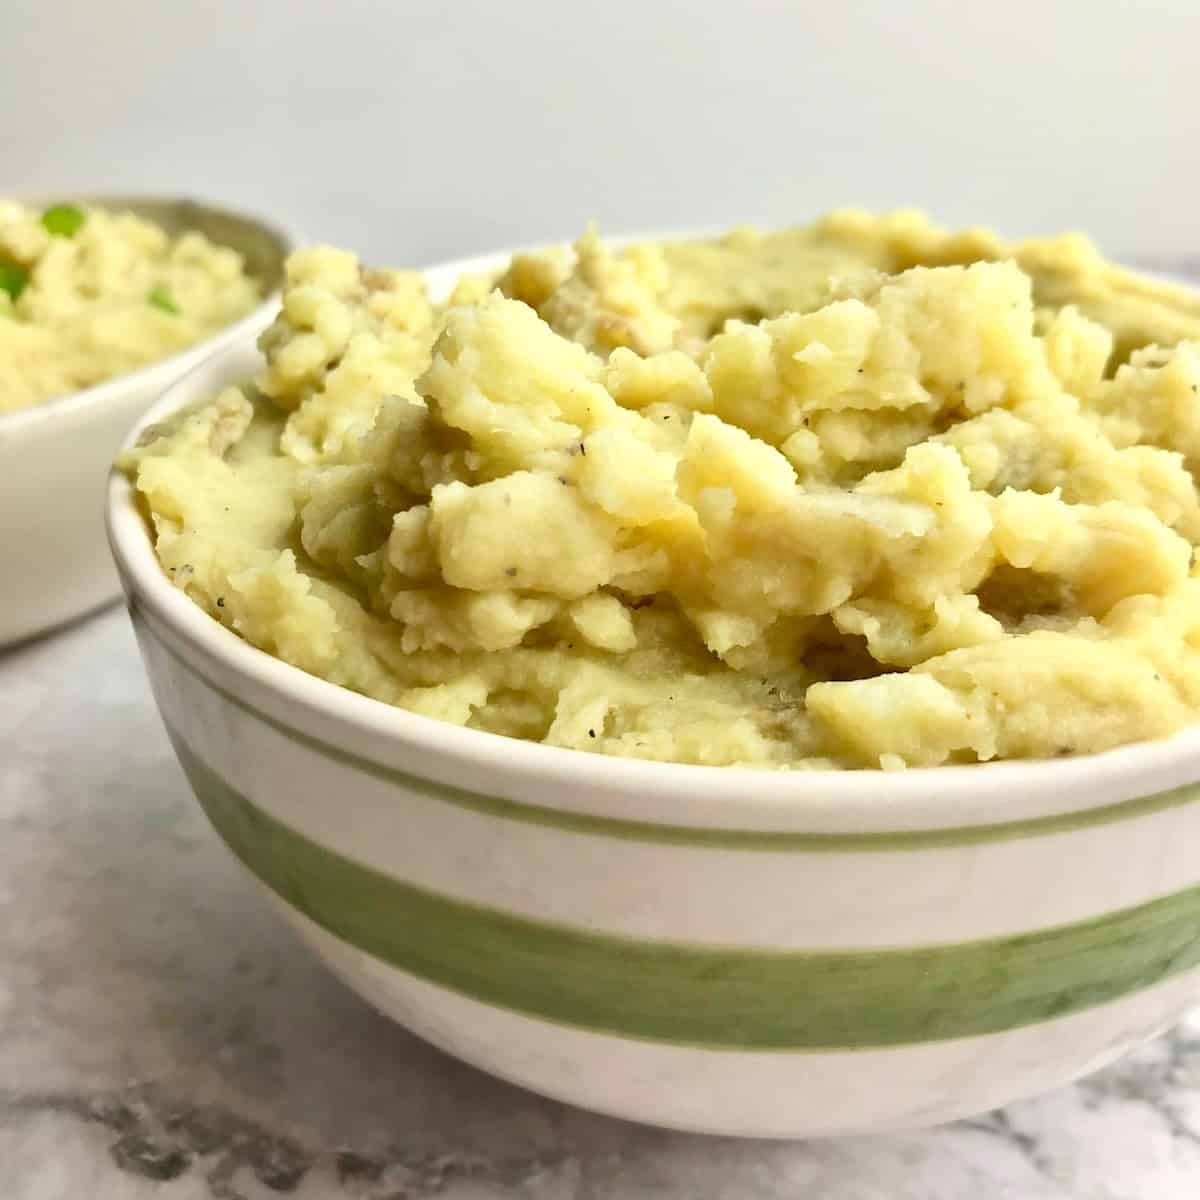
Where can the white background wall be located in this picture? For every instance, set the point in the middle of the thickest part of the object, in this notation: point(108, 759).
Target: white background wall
point(417, 130)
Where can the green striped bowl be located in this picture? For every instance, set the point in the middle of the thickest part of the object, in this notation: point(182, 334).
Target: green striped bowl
point(715, 949)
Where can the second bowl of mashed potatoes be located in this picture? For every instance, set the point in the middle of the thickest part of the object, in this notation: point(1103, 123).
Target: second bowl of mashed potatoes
point(104, 302)
point(88, 293)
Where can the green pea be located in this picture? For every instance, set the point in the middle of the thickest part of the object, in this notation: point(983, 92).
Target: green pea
point(63, 220)
point(160, 297)
point(13, 279)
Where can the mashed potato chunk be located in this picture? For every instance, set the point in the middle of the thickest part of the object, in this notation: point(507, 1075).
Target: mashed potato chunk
point(860, 494)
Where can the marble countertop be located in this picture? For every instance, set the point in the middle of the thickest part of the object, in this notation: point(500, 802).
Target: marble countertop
point(161, 1035)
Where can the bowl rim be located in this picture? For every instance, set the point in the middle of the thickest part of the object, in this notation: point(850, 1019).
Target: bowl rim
point(1000, 794)
point(155, 376)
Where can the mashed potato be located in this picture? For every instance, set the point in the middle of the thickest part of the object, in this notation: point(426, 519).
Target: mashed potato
point(88, 294)
point(861, 494)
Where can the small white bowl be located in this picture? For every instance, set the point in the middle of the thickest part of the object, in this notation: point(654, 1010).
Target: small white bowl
point(54, 457)
point(714, 949)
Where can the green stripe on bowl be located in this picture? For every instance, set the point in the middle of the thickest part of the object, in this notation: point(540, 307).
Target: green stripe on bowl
point(689, 835)
point(694, 995)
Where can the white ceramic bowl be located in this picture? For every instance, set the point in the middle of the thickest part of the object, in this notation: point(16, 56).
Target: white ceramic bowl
point(716, 949)
point(54, 458)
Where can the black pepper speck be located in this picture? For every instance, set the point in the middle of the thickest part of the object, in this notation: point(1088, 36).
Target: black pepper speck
point(140, 1155)
point(358, 1166)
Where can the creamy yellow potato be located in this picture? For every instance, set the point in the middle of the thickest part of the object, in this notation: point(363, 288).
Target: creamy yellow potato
point(87, 294)
point(863, 494)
